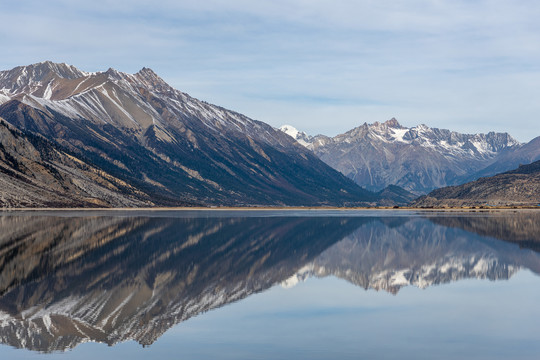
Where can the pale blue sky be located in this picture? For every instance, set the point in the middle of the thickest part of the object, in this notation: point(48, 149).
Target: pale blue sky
point(321, 66)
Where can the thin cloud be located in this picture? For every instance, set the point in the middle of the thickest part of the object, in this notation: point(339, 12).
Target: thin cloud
point(465, 65)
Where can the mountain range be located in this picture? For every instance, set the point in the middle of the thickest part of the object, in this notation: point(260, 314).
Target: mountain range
point(418, 159)
point(74, 138)
point(70, 138)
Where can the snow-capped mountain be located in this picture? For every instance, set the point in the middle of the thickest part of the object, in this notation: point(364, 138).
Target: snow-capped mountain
point(165, 146)
point(418, 159)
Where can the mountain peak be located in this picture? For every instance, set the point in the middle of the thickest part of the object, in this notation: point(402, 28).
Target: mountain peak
point(300, 136)
point(47, 68)
point(42, 71)
point(36, 79)
point(114, 74)
point(152, 80)
point(289, 130)
point(393, 123)
point(148, 72)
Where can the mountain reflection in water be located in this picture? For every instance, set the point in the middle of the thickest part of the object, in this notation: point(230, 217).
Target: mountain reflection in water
point(67, 280)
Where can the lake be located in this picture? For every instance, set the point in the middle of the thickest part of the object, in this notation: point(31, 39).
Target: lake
point(268, 284)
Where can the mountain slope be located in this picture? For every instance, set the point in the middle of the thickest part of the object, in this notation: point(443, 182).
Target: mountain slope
point(36, 172)
point(517, 187)
point(395, 195)
point(164, 143)
point(418, 159)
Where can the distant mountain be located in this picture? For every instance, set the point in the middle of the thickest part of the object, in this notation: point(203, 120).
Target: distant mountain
point(158, 145)
point(511, 159)
point(516, 187)
point(301, 137)
point(395, 195)
point(417, 159)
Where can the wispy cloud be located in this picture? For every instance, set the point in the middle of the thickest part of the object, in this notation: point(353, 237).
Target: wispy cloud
point(466, 65)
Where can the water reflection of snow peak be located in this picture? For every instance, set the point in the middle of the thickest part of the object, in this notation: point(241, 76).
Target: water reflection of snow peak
point(108, 279)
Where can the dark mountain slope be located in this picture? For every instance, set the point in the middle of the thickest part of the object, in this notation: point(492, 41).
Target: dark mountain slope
point(36, 172)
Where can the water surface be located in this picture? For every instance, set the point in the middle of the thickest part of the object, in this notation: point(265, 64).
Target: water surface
point(270, 284)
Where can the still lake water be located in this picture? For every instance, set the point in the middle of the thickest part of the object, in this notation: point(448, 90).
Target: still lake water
point(270, 285)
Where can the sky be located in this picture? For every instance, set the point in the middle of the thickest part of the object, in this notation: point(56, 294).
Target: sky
point(324, 67)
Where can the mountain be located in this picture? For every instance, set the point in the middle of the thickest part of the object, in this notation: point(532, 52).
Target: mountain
point(389, 196)
point(517, 187)
point(163, 146)
point(417, 159)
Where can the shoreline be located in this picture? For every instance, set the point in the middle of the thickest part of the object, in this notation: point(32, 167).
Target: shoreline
point(285, 208)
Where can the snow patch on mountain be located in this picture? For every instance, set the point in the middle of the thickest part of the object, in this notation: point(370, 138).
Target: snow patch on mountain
point(301, 137)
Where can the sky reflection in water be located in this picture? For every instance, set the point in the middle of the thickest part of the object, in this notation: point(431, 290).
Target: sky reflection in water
point(285, 287)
